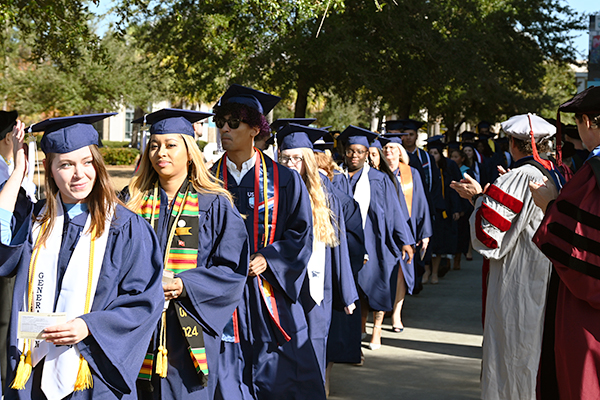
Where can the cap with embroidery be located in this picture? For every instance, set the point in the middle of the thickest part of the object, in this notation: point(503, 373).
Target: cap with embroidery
point(172, 120)
point(521, 126)
point(294, 136)
point(281, 122)
point(261, 101)
point(587, 101)
point(67, 134)
point(7, 122)
point(355, 135)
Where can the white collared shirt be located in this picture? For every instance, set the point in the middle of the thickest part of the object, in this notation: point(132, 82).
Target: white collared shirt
point(246, 166)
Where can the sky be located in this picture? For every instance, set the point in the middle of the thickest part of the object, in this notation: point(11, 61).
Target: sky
point(581, 40)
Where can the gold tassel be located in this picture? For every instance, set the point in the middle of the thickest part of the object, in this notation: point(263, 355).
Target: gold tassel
point(162, 362)
point(23, 371)
point(444, 214)
point(84, 376)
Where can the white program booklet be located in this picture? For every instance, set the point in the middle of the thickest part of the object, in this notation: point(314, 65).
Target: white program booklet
point(32, 324)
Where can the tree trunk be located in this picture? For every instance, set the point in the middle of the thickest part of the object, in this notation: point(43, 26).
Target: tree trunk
point(301, 105)
point(135, 129)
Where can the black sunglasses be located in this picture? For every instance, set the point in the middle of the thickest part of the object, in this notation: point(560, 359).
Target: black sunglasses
point(233, 123)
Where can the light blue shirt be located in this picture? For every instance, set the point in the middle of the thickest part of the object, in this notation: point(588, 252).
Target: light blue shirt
point(6, 234)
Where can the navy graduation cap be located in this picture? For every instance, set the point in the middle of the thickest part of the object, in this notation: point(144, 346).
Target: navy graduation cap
point(467, 135)
point(172, 120)
point(355, 135)
point(294, 136)
point(261, 101)
point(7, 122)
point(67, 134)
point(394, 138)
point(281, 122)
point(377, 143)
point(453, 145)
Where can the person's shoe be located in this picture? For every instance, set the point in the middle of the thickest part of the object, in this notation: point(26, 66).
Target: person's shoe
point(397, 329)
point(374, 346)
point(426, 277)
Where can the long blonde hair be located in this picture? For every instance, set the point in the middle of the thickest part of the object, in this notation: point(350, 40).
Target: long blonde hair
point(323, 228)
point(100, 202)
point(202, 180)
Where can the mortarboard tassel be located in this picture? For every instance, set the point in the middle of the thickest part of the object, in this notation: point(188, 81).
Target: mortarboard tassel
point(545, 163)
point(84, 376)
point(23, 371)
point(162, 361)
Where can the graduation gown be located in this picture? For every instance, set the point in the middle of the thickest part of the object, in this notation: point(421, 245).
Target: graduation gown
point(569, 236)
point(444, 239)
point(340, 181)
point(126, 306)
point(339, 287)
point(419, 221)
point(262, 364)
point(344, 340)
point(386, 231)
point(212, 291)
point(502, 227)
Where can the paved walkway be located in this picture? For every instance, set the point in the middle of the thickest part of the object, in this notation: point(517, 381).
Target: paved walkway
point(438, 356)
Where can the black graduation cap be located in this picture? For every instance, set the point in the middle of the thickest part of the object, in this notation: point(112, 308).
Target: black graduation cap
point(571, 131)
point(356, 135)
point(587, 101)
point(394, 125)
point(411, 124)
point(172, 120)
point(435, 142)
point(261, 101)
point(281, 122)
point(484, 124)
point(294, 136)
point(7, 122)
point(453, 145)
point(467, 135)
point(67, 134)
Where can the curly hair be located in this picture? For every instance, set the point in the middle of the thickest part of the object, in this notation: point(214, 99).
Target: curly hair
point(247, 114)
point(524, 146)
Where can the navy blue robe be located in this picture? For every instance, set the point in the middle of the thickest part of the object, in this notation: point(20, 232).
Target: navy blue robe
point(339, 286)
point(260, 366)
point(344, 339)
point(127, 303)
point(213, 290)
point(420, 225)
point(386, 231)
point(340, 182)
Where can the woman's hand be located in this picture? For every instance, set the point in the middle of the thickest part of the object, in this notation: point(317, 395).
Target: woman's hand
point(68, 333)
point(173, 290)
point(350, 309)
point(18, 139)
point(258, 264)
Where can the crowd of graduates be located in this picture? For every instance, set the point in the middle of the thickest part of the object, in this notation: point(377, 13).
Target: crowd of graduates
point(250, 279)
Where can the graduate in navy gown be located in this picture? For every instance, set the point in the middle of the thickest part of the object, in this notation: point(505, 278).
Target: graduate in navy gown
point(91, 258)
point(329, 281)
point(445, 228)
point(413, 203)
point(387, 234)
point(205, 248)
point(268, 353)
point(344, 340)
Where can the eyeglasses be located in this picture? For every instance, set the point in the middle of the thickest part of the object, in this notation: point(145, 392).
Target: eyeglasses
point(233, 123)
point(350, 152)
point(294, 159)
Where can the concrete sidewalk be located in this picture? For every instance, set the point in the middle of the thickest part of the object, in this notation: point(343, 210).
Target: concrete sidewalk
point(438, 356)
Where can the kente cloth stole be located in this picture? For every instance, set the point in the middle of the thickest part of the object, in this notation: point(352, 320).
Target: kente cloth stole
point(181, 254)
point(406, 183)
point(264, 203)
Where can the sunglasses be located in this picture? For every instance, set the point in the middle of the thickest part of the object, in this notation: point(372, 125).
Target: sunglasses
point(233, 123)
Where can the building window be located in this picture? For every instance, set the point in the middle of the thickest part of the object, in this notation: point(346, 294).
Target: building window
point(128, 118)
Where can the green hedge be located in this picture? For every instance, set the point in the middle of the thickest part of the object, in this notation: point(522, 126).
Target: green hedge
point(108, 143)
point(119, 156)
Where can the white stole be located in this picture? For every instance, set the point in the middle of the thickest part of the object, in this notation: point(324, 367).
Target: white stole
point(62, 362)
point(316, 271)
point(362, 193)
